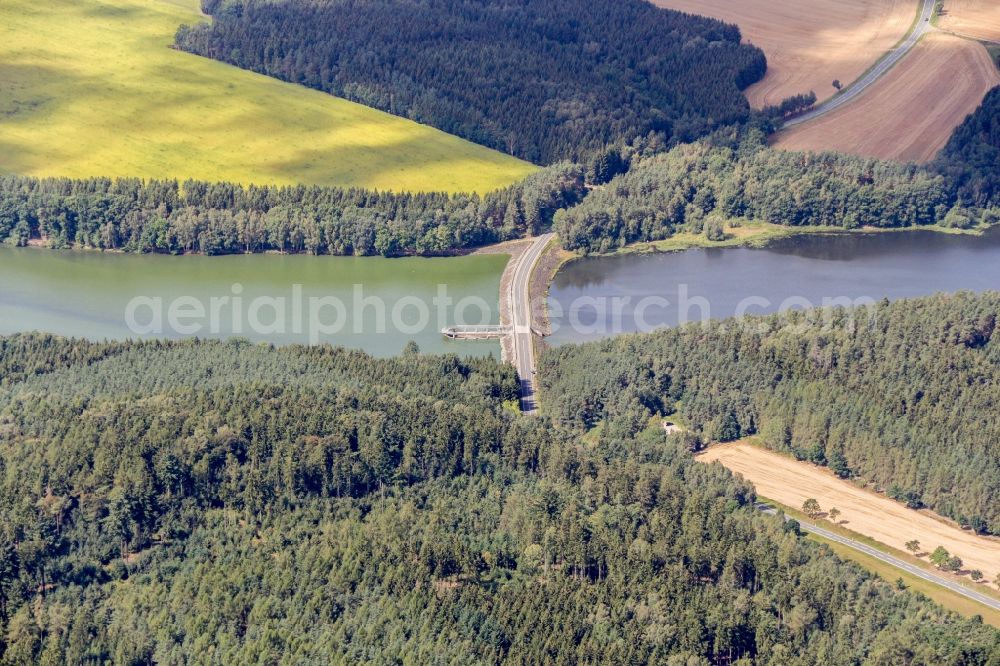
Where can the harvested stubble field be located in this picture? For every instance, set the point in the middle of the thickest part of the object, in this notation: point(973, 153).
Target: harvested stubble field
point(809, 43)
point(979, 19)
point(791, 483)
point(92, 88)
point(910, 113)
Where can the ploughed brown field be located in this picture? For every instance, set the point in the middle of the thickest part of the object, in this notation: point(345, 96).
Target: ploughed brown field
point(979, 19)
point(810, 43)
point(911, 111)
point(791, 483)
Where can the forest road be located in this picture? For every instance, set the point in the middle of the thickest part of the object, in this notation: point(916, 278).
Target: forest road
point(919, 572)
point(921, 28)
point(522, 333)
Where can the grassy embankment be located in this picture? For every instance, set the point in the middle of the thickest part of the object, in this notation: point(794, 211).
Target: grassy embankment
point(92, 88)
point(759, 234)
point(942, 595)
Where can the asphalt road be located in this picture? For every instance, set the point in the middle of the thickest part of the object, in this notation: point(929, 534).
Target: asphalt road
point(520, 303)
point(922, 27)
point(919, 572)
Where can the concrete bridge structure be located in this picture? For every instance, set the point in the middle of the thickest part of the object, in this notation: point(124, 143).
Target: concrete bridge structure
point(480, 332)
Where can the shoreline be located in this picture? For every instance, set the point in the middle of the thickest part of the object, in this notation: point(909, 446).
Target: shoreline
point(760, 234)
point(747, 234)
point(550, 263)
point(494, 248)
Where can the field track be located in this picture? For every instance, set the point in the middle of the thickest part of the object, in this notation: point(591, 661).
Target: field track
point(896, 563)
point(874, 74)
point(791, 482)
point(979, 19)
point(809, 43)
point(910, 113)
point(92, 88)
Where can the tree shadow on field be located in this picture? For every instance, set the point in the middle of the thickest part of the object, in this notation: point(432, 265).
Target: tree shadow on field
point(32, 92)
point(380, 164)
point(249, 99)
point(105, 11)
point(33, 101)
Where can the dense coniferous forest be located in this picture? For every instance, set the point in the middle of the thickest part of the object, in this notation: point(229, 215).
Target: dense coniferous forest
point(619, 197)
point(541, 80)
point(233, 503)
point(225, 218)
point(225, 502)
point(698, 187)
point(904, 396)
point(972, 157)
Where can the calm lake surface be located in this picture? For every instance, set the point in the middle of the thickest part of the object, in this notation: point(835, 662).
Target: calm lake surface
point(600, 296)
point(379, 305)
point(368, 303)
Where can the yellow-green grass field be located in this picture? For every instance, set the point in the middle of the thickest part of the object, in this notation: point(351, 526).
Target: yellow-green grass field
point(92, 88)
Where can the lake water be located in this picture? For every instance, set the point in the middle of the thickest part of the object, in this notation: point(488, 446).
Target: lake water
point(380, 304)
point(600, 296)
point(369, 303)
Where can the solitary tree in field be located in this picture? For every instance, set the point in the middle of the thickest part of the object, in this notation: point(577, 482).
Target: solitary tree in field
point(837, 84)
point(811, 507)
point(913, 546)
point(976, 575)
point(834, 514)
point(953, 564)
point(940, 557)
